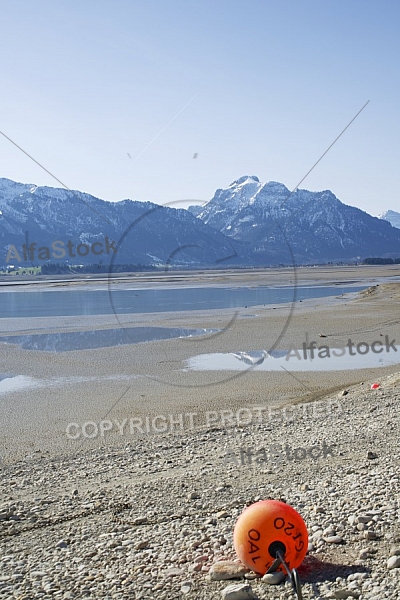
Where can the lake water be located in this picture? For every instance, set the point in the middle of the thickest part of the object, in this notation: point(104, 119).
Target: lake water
point(101, 302)
point(100, 338)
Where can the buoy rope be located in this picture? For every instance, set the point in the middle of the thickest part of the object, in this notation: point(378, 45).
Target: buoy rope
point(292, 574)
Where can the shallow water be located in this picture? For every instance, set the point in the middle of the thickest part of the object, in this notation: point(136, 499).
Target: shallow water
point(292, 360)
point(18, 383)
point(97, 302)
point(100, 338)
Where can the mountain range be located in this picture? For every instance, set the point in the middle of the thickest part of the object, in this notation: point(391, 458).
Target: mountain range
point(141, 232)
point(249, 223)
point(311, 226)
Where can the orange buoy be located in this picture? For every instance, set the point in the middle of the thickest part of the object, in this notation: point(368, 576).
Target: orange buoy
point(265, 528)
point(375, 386)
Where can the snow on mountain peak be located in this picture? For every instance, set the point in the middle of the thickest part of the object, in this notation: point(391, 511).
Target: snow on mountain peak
point(274, 188)
point(244, 179)
point(392, 216)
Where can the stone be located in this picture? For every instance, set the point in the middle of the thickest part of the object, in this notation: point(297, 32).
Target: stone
point(274, 578)
point(193, 496)
point(357, 576)
point(352, 519)
point(372, 455)
point(342, 594)
point(139, 521)
point(186, 586)
point(363, 519)
point(227, 570)
point(238, 591)
point(173, 572)
point(393, 562)
point(333, 539)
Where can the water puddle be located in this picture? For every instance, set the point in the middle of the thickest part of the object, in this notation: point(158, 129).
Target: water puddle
point(101, 338)
point(16, 383)
point(5, 376)
point(337, 359)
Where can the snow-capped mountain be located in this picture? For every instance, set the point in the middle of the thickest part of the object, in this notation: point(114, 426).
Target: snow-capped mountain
point(249, 223)
point(307, 226)
point(142, 232)
point(392, 216)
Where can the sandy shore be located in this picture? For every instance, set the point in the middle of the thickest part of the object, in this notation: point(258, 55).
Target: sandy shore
point(145, 380)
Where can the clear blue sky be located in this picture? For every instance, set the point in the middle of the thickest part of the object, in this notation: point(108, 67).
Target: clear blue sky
point(265, 87)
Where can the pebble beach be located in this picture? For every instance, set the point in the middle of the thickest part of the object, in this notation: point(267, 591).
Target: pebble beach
point(155, 519)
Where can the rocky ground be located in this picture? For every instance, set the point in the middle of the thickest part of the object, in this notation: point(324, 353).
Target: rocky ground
point(152, 519)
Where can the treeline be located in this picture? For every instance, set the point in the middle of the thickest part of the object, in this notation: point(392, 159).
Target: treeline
point(381, 261)
point(62, 268)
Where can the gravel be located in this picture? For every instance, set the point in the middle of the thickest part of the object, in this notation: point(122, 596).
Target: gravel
point(150, 519)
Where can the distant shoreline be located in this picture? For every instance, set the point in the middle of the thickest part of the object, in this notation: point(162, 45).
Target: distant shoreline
point(275, 276)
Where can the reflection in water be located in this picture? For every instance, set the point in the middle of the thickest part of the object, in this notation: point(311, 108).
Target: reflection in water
point(293, 360)
point(101, 338)
point(258, 357)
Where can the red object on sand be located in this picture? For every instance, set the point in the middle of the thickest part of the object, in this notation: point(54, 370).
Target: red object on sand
point(375, 386)
point(265, 527)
